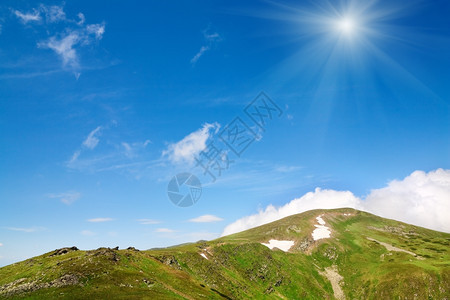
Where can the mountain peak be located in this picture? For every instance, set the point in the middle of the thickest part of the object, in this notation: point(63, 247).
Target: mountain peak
point(338, 253)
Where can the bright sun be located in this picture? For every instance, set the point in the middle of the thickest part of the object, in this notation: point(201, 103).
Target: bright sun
point(346, 26)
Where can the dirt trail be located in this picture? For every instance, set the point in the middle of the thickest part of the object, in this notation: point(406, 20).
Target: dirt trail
point(390, 247)
point(335, 278)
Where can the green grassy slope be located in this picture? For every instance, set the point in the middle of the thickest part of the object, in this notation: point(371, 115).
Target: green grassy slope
point(239, 267)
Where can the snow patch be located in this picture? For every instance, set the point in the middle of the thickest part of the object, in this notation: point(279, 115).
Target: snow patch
point(282, 245)
point(204, 256)
point(321, 231)
point(320, 220)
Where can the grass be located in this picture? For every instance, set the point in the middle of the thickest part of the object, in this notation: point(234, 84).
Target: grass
point(239, 267)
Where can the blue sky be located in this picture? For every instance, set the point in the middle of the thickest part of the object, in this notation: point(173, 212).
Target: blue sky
point(101, 105)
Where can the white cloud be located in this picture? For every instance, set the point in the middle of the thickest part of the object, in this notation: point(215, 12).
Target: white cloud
point(191, 145)
point(28, 17)
point(87, 233)
point(92, 139)
point(100, 220)
point(148, 221)
point(127, 147)
point(53, 13)
point(1, 244)
point(75, 156)
point(199, 54)
point(96, 29)
point(164, 230)
point(66, 198)
point(64, 47)
point(82, 19)
point(312, 200)
point(206, 219)
point(421, 199)
point(210, 39)
point(64, 43)
point(28, 230)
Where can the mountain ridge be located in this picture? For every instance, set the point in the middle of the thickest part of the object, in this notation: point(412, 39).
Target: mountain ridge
point(364, 257)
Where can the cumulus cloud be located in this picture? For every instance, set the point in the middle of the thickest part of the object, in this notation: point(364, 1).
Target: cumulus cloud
point(66, 198)
point(148, 221)
point(100, 220)
point(190, 146)
point(206, 219)
point(92, 139)
point(326, 199)
point(421, 199)
point(210, 40)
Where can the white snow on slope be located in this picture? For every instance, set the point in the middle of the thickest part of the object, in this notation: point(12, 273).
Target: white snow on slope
point(321, 231)
point(282, 245)
point(203, 255)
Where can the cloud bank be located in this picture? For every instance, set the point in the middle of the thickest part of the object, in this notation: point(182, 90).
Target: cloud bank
point(422, 199)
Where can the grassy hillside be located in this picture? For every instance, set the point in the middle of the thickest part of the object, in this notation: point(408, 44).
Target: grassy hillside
point(366, 257)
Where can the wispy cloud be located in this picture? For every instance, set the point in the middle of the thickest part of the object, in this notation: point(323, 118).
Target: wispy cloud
point(100, 220)
point(210, 40)
point(1, 244)
point(65, 43)
point(206, 219)
point(35, 16)
point(199, 54)
point(164, 230)
point(131, 149)
point(67, 197)
point(54, 13)
point(190, 146)
point(148, 221)
point(92, 139)
point(64, 47)
point(26, 229)
point(87, 233)
point(51, 14)
point(96, 29)
point(82, 19)
point(90, 143)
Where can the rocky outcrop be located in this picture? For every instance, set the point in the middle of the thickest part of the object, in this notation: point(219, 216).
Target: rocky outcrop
point(63, 251)
point(21, 285)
